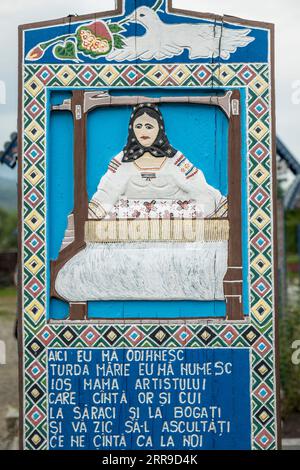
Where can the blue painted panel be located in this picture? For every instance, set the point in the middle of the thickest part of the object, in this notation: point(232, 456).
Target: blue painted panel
point(145, 398)
point(245, 202)
point(200, 132)
point(60, 185)
point(59, 189)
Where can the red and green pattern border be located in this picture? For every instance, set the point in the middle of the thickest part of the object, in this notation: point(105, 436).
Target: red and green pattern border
point(258, 334)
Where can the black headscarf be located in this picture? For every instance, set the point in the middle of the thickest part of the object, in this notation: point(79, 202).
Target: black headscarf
point(160, 148)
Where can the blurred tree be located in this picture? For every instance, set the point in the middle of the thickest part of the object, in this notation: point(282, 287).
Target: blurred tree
point(289, 373)
point(292, 220)
point(8, 233)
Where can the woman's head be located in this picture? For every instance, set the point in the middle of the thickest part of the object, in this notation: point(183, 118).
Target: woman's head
point(147, 134)
point(146, 129)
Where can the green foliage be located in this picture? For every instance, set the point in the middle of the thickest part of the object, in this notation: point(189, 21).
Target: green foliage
point(65, 51)
point(8, 292)
point(115, 27)
point(292, 220)
point(157, 5)
point(280, 190)
point(289, 330)
point(8, 302)
point(8, 194)
point(118, 41)
point(8, 225)
point(293, 258)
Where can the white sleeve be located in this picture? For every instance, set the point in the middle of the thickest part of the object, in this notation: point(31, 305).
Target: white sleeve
point(192, 181)
point(111, 186)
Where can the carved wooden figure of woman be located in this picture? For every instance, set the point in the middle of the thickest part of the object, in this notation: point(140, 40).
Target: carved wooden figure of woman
point(156, 229)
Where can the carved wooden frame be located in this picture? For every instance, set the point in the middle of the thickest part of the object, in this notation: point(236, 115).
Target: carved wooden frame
point(81, 103)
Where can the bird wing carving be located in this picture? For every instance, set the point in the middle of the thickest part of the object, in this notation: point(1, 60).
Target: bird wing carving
point(217, 41)
point(141, 48)
point(162, 41)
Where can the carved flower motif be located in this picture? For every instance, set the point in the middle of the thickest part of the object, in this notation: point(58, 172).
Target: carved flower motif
point(94, 39)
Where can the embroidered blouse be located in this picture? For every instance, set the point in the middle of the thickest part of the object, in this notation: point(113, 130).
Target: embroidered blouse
point(177, 187)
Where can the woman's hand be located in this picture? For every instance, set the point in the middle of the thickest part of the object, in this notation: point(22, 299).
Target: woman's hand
point(95, 211)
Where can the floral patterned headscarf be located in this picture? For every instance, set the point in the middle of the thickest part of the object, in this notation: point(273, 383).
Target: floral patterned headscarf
point(160, 148)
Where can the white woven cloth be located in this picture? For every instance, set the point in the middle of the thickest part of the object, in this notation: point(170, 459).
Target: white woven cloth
point(145, 271)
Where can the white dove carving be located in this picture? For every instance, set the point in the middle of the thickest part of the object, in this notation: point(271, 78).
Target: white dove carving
point(162, 40)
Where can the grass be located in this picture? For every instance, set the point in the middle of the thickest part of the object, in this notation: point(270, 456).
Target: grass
point(293, 258)
point(8, 301)
point(10, 291)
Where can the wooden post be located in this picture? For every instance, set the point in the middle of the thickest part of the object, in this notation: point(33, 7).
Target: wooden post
point(78, 310)
point(233, 280)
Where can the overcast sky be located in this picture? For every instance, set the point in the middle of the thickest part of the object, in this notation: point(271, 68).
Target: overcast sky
point(285, 15)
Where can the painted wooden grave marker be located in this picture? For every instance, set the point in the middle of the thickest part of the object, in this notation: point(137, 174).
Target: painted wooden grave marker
point(147, 230)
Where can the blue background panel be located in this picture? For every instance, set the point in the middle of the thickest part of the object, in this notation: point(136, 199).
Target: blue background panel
point(200, 132)
point(255, 52)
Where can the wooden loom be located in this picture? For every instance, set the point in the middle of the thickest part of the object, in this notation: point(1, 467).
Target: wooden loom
point(80, 105)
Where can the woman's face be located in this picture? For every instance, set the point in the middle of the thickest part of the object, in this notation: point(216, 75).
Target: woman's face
point(146, 130)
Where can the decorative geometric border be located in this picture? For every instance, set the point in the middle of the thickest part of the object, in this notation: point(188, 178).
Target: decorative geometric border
point(258, 335)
